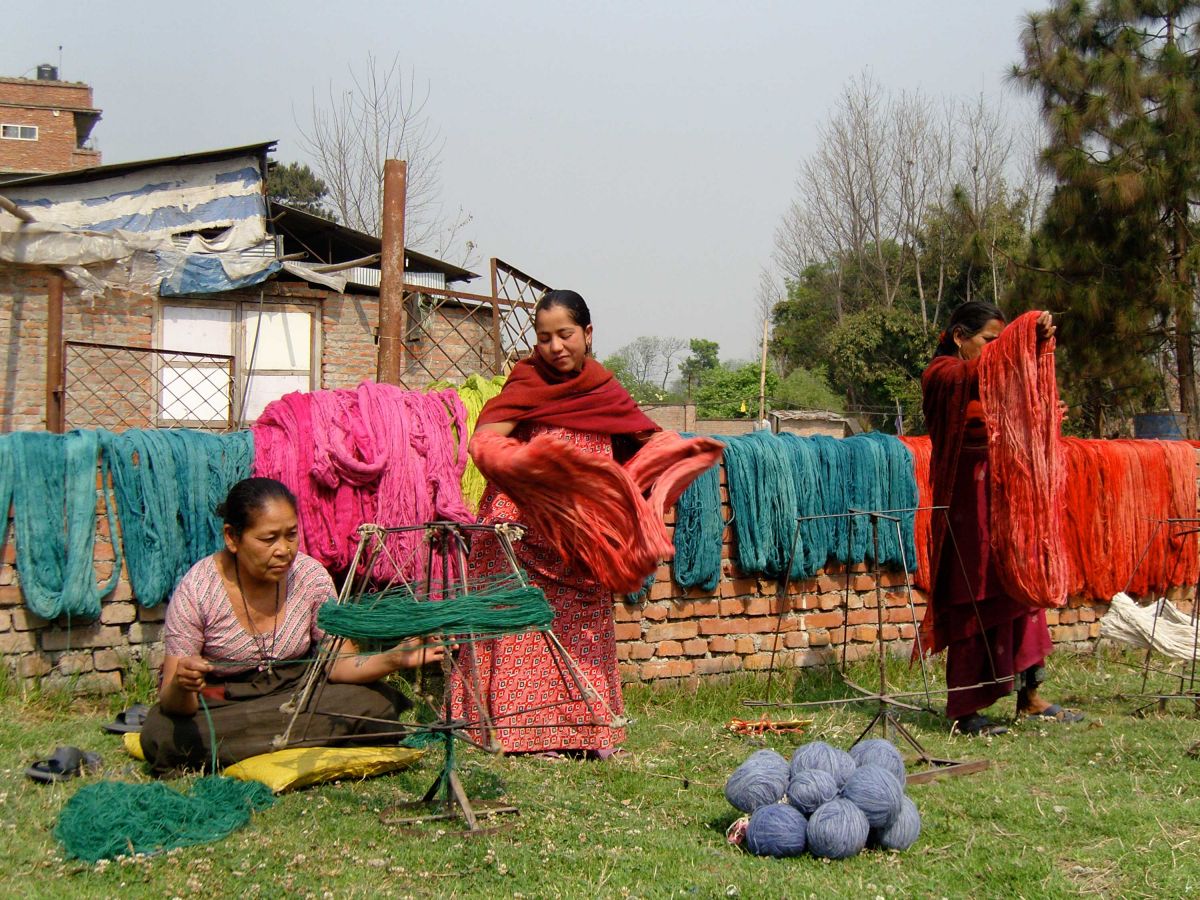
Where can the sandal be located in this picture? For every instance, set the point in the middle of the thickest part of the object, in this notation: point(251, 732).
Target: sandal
point(975, 725)
point(1055, 713)
point(64, 763)
point(131, 720)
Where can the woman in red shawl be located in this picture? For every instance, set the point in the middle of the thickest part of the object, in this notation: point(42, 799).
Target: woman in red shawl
point(992, 641)
point(562, 391)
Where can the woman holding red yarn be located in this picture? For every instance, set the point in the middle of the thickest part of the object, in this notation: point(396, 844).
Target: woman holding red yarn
point(993, 641)
point(560, 390)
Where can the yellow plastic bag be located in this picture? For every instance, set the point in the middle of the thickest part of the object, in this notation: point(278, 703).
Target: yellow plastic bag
point(299, 767)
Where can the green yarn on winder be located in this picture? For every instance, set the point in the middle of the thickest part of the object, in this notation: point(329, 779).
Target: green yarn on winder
point(395, 614)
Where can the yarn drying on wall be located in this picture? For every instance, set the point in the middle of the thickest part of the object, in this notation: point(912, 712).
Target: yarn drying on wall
point(167, 484)
point(589, 508)
point(1117, 494)
point(921, 450)
point(699, 530)
point(773, 479)
point(1027, 478)
point(376, 454)
point(51, 479)
point(474, 392)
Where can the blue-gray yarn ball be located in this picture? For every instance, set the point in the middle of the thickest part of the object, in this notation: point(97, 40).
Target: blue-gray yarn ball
point(820, 755)
point(904, 831)
point(878, 752)
point(776, 830)
point(837, 830)
point(875, 791)
point(760, 780)
point(811, 788)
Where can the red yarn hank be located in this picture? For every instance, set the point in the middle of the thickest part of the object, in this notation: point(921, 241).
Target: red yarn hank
point(921, 449)
point(1019, 394)
point(1117, 496)
point(591, 510)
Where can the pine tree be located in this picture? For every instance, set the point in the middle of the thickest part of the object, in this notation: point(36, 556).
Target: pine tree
point(1118, 83)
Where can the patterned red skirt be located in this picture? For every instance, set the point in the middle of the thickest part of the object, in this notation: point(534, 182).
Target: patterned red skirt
point(534, 697)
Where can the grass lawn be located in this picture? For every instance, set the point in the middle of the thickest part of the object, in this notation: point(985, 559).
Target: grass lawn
point(1108, 807)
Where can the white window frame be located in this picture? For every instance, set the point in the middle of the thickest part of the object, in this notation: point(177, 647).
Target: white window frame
point(18, 136)
point(239, 339)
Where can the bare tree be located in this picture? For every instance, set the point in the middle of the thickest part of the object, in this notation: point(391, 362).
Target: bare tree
point(352, 132)
point(987, 143)
point(651, 360)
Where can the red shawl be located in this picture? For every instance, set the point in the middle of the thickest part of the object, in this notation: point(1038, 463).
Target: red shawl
point(590, 400)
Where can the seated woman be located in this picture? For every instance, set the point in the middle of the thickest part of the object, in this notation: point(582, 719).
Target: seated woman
point(239, 630)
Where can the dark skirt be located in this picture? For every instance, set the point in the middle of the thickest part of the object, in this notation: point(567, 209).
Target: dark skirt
point(246, 718)
point(992, 639)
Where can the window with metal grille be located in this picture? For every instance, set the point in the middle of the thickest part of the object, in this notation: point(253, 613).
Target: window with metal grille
point(275, 347)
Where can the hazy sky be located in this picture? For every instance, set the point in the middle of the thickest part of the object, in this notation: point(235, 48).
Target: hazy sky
point(641, 153)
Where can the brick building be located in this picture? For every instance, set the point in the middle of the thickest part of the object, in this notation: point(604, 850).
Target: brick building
point(46, 125)
point(253, 300)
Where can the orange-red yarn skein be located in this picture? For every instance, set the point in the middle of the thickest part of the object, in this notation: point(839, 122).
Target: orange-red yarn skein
point(1019, 394)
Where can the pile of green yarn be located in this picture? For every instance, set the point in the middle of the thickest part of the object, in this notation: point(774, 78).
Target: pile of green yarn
point(111, 818)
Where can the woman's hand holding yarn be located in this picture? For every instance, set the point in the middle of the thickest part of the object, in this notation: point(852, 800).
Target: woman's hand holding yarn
point(190, 672)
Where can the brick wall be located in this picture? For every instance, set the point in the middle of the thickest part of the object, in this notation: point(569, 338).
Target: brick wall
point(673, 634)
point(449, 343)
point(85, 656)
point(116, 317)
point(49, 106)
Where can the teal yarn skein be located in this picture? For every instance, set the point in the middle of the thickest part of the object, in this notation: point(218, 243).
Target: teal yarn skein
point(51, 479)
point(698, 531)
point(167, 484)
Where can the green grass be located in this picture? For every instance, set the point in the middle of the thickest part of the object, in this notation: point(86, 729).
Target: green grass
point(1106, 808)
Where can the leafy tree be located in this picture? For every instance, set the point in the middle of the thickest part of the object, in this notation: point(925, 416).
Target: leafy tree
point(877, 357)
point(805, 389)
point(703, 358)
point(727, 392)
point(642, 391)
point(803, 321)
point(296, 185)
point(1119, 84)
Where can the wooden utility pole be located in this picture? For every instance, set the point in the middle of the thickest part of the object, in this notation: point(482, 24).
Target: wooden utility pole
point(762, 374)
point(54, 352)
point(392, 324)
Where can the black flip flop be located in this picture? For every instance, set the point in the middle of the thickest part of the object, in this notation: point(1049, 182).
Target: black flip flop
point(1056, 713)
point(64, 763)
point(131, 720)
point(975, 725)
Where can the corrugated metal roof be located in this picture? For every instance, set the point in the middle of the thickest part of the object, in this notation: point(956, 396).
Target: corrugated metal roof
point(107, 171)
point(306, 227)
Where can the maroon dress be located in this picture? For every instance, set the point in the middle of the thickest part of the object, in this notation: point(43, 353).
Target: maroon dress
point(533, 702)
point(991, 640)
